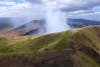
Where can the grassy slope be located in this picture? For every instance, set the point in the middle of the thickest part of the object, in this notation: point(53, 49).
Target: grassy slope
point(78, 40)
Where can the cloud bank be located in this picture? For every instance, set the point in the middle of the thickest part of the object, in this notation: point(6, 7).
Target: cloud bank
point(36, 8)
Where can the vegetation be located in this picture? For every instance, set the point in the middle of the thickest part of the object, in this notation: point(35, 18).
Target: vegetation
point(80, 46)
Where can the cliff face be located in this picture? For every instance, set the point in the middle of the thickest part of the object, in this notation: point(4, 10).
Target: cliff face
point(76, 48)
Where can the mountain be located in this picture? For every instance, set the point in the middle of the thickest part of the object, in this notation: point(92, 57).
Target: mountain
point(34, 27)
point(74, 48)
point(82, 22)
point(37, 27)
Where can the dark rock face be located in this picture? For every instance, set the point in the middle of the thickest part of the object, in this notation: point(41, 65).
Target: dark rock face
point(32, 28)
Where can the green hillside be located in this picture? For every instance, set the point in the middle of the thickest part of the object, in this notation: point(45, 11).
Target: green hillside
point(75, 48)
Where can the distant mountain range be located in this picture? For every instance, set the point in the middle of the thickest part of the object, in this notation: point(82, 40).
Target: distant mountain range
point(82, 22)
point(31, 28)
point(36, 27)
point(5, 23)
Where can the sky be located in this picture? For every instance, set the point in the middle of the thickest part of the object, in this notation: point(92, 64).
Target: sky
point(35, 9)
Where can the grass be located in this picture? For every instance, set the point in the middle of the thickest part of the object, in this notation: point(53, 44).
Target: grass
point(43, 41)
point(4, 47)
point(63, 42)
point(28, 45)
point(58, 42)
point(87, 61)
point(3, 41)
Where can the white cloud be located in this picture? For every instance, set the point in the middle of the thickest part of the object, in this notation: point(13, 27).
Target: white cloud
point(8, 3)
point(89, 15)
point(92, 16)
point(24, 9)
point(36, 9)
point(71, 5)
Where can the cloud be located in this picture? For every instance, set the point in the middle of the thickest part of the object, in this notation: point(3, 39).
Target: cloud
point(87, 15)
point(72, 5)
point(36, 8)
point(8, 3)
point(24, 9)
point(91, 16)
point(13, 9)
point(34, 1)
